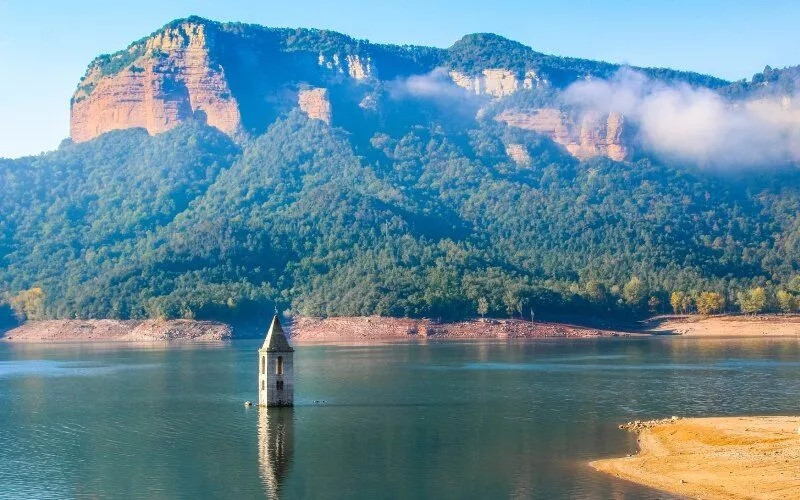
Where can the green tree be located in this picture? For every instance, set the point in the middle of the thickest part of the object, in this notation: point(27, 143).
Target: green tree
point(676, 301)
point(752, 301)
point(688, 303)
point(596, 292)
point(483, 306)
point(681, 302)
point(710, 303)
point(634, 291)
point(786, 301)
point(512, 301)
point(28, 304)
point(793, 285)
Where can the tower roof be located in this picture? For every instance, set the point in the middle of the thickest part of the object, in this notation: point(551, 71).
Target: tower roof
point(276, 340)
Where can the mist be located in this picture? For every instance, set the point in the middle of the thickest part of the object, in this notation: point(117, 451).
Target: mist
point(435, 85)
point(696, 125)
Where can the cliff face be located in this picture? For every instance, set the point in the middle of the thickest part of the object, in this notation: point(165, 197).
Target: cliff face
point(315, 104)
point(172, 80)
point(353, 65)
point(497, 82)
point(593, 134)
point(240, 78)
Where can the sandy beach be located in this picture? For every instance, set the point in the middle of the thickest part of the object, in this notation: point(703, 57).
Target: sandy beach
point(722, 457)
point(776, 325)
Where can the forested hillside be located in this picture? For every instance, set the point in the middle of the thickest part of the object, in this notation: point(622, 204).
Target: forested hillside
point(427, 223)
point(413, 204)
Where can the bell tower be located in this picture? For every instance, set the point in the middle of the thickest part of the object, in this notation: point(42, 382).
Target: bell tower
point(275, 370)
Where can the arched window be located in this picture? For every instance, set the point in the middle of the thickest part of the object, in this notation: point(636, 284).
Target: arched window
point(279, 385)
point(263, 365)
point(279, 366)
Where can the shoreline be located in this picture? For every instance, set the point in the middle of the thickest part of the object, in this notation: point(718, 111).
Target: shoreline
point(110, 330)
point(303, 330)
point(374, 329)
point(726, 325)
point(715, 457)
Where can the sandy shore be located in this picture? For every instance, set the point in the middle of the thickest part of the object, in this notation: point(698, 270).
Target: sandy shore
point(102, 330)
point(301, 330)
point(727, 326)
point(375, 328)
point(371, 328)
point(725, 457)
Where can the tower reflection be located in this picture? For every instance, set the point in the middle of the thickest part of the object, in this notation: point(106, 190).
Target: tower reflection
point(275, 447)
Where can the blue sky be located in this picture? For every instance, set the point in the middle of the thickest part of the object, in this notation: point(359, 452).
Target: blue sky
point(46, 45)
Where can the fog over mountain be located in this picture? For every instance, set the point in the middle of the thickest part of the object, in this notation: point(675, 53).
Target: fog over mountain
point(698, 125)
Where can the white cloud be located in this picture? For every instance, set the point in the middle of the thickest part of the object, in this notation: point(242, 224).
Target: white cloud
point(694, 124)
point(433, 85)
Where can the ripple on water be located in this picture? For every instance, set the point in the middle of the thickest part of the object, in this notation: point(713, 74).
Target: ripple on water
point(50, 368)
point(562, 367)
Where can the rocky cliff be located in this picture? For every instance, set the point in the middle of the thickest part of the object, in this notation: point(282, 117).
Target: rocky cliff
point(315, 104)
point(587, 136)
point(497, 82)
point(239, 78)
point(169, 79)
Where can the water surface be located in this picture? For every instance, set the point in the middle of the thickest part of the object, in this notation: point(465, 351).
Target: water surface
point(439, 419)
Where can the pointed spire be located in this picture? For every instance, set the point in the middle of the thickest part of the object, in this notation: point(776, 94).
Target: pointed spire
point(276, 340)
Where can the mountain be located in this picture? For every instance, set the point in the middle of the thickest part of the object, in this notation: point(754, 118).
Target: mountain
point(241, 77)
point(217, 169)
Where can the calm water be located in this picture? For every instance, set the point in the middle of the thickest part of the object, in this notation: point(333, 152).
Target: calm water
point(449, 419)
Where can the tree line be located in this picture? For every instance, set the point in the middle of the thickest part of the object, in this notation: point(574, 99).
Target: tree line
point(420, 219)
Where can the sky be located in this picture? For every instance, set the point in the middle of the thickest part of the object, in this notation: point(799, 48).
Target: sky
point(45, 46)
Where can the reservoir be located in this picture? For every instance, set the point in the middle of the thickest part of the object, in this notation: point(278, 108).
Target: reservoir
point(463, 419)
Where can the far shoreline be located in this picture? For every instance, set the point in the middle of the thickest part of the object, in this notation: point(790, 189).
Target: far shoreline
point(376, 329)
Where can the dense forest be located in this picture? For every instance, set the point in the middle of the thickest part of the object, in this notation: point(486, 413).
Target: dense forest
point(408, 206)
point(432, 222)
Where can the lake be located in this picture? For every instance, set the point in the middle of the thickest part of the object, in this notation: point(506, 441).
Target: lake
point(465, 419)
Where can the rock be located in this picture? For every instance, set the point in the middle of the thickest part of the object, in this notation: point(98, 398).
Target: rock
point(358, 68)
point(315, 103)
point(638, 425)
point(497, 82)
point(590, 135)
point(355, 66)
point(171, 80)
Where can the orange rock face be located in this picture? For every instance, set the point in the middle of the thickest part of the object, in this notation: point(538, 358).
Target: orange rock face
point(315, 104)
point(595, 135)
point(172, 81)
